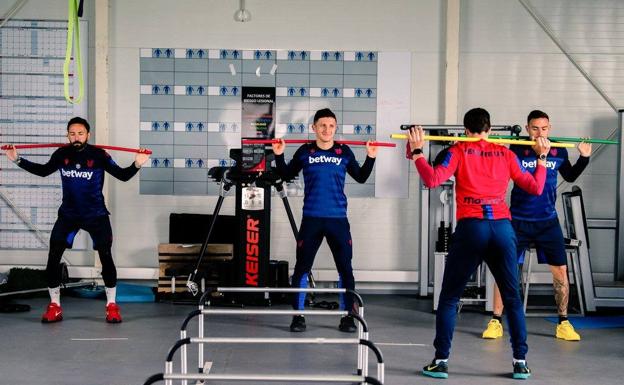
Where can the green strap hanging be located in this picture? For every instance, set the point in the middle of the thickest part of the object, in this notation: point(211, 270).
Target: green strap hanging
point(73, 26)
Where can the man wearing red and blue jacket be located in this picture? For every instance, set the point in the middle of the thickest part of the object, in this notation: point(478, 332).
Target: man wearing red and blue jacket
point(482, 172)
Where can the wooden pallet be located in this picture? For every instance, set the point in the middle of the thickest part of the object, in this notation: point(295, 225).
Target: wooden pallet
point(183, 258)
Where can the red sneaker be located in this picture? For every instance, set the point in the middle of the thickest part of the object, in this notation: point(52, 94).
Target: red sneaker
point(112, 313)
point(53, 313)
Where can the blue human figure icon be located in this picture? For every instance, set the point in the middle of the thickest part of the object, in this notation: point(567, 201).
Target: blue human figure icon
point(189, 126)
point(221, 127)
point(290, 128)
point(200, 90)
point(168, 52)
point(157, 52)
point(200, 53)
point(155, 126)
point(234, 91)
point(200, 126)
point(358, 129)
point(223, 54)
point(155, 89)
point(222, 162)
point(189, 53)
point(155, 162)
point(369, 129)
point(291, 91)
point(166, 90)
point(291, 55)
point(166, 162)
point(189, 162)
point(166, 126)
point(359, 56)
point(325, 55)
point(235, 54)
point(337, 55)
point(336, 92)
point(369, 92)
point(199, 163)
point(324, 92)
point(303, 55)
point(358, 92)
point(302, 91)
point(302, 128)
point(223, 90)
point(189, 90)
point(371, 56)
point(267, 54)
point(257, 55)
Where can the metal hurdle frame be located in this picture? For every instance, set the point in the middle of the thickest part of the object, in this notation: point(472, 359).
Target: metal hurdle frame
point(168, 376)
point(361, 341)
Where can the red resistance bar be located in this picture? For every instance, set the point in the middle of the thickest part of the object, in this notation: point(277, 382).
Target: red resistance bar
point(45, 145)
point(302, 141)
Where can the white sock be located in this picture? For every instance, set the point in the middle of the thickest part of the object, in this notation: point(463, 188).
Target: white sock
point(520, 361)
point(111, 293)
point(55, 295)
point(437, 361)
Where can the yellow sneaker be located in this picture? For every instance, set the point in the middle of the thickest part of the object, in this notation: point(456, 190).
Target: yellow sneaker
point(566, 331)
point(494, 330)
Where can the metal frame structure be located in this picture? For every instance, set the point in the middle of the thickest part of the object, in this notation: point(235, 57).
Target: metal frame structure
point(619, 246)
point(361, 341)
point(573, 253)
point(575, 223)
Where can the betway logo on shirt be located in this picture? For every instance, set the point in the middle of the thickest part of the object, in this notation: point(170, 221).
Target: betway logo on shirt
point(551, 164)
point(325, 159)
point(77, 174)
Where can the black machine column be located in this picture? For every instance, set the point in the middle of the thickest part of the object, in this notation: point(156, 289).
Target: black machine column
point(253, 195)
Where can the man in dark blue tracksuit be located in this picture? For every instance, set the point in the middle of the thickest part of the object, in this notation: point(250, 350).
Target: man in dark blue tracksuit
point(82, 168)
point(325, 164)
point(534, 218)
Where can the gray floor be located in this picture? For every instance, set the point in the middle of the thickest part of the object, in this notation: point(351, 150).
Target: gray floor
point(69, 352)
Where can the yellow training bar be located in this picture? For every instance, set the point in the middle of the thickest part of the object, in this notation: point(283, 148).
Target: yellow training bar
point(491, 140)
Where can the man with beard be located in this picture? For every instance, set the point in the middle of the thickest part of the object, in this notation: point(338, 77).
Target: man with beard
point(82, 168)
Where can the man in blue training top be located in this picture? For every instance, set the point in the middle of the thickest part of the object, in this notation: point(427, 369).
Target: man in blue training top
point(325, 164)
point(82, 168)
point(535, 221)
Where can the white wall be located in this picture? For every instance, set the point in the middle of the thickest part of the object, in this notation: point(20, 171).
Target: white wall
point(507, 65)
point(510, 66)
point(383, 229)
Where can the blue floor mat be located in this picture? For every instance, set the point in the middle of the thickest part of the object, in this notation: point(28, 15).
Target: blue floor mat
point(127, 292)
point(593, 322)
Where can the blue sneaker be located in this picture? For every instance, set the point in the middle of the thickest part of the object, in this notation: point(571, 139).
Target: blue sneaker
point(439, 370)
point(521, 371)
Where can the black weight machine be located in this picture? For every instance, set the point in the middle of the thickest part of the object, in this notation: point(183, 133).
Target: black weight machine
point(253, 210)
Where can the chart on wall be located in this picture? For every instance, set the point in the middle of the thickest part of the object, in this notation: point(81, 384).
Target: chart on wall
point(33, 110)
point(190, 108)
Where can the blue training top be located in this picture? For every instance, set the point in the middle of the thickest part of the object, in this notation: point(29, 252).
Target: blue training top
point(82, 177)
point(527, 207)
point(324, 174)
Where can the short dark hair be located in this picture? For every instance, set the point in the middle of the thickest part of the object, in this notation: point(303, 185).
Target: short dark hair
point(79, 120)
point(324, 113)
point(477, 120)
point(537, 114)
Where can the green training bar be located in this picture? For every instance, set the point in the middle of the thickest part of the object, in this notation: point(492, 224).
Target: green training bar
point(561, 139)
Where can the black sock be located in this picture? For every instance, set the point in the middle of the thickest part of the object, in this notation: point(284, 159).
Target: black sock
point(499, 318)
point(563, 318)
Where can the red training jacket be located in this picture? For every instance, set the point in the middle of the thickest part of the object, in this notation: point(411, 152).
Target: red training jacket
point(482, 172)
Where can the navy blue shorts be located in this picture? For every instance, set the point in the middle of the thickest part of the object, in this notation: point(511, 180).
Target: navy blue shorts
point(99, 228)
point(547, 238)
